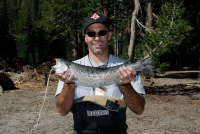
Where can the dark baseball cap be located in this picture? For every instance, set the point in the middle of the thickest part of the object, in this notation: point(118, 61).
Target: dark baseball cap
point(96, 18)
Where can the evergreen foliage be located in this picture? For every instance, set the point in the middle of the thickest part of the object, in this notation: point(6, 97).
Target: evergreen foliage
point(55, 29)
point(169, 37)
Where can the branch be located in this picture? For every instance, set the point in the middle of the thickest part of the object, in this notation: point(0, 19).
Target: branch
point(155, 15)
point(143, 26)
point(172, 16)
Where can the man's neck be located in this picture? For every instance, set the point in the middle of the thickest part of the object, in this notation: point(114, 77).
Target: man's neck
point(99, 58)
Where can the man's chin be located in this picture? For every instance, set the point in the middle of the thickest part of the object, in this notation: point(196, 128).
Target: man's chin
point(98, 52)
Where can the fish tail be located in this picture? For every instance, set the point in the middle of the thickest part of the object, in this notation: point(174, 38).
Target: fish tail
point(146, 66)
point(148, 70)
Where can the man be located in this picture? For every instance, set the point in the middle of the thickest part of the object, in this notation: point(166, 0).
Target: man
point(100, 110)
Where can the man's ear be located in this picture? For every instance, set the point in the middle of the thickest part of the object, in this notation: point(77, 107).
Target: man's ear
point(109, 35)
point(85, 40)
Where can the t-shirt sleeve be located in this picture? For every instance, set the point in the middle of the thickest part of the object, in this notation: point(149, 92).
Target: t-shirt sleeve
point(59, 87)
point(137, 85)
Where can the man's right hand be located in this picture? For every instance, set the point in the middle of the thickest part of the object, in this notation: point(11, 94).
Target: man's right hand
point(66, 76)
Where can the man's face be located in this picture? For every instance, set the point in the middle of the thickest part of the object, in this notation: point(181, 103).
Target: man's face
point(98, 44)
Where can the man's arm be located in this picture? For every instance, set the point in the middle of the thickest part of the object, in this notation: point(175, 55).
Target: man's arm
point(64, 100)
point(134, 101)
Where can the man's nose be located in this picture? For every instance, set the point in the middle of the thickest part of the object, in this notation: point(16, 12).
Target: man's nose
point(96, 37)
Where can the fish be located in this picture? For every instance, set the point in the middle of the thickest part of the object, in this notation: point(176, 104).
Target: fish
point(99, 76)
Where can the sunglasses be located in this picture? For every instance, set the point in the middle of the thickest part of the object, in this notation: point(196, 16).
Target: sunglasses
point(100, 33)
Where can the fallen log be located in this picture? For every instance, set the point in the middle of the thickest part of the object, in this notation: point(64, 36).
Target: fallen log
point(193, 85)
point(178, 74)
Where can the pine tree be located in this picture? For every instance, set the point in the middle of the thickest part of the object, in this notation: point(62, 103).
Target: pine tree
point(171, 30)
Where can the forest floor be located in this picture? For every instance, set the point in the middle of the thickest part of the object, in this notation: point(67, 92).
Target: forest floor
point(172, 107)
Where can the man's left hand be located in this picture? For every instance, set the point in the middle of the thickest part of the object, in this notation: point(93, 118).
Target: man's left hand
point(126, 75)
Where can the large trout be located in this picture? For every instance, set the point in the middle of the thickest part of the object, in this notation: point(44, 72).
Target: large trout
point(99, 76)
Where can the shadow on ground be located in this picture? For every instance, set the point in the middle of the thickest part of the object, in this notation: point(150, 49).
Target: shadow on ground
point(180, 89)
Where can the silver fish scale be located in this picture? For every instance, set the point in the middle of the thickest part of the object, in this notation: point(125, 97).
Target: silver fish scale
point(98, 77)
point(93, 77)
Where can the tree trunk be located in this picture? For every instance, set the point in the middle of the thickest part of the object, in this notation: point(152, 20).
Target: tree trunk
point(149, 15)
point(4, 26)
point(131, 47)
point(149, 25)
point(74, 47)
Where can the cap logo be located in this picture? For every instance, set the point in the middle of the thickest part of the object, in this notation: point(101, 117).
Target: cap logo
point(95, 16)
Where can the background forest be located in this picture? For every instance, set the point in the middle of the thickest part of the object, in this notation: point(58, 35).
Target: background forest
point(40, 30)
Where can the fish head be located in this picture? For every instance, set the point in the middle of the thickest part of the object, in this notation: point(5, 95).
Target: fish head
point(60, 66)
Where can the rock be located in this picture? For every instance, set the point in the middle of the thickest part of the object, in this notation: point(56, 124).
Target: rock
point(6, 83)
point(1, 89)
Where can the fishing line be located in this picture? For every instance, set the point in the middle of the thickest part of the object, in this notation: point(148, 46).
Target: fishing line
point(34, 129)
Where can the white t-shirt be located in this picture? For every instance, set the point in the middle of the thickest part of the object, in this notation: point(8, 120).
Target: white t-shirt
point(111, 90)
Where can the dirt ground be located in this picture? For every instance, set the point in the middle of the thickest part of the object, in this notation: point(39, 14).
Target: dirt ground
point(171, 108)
